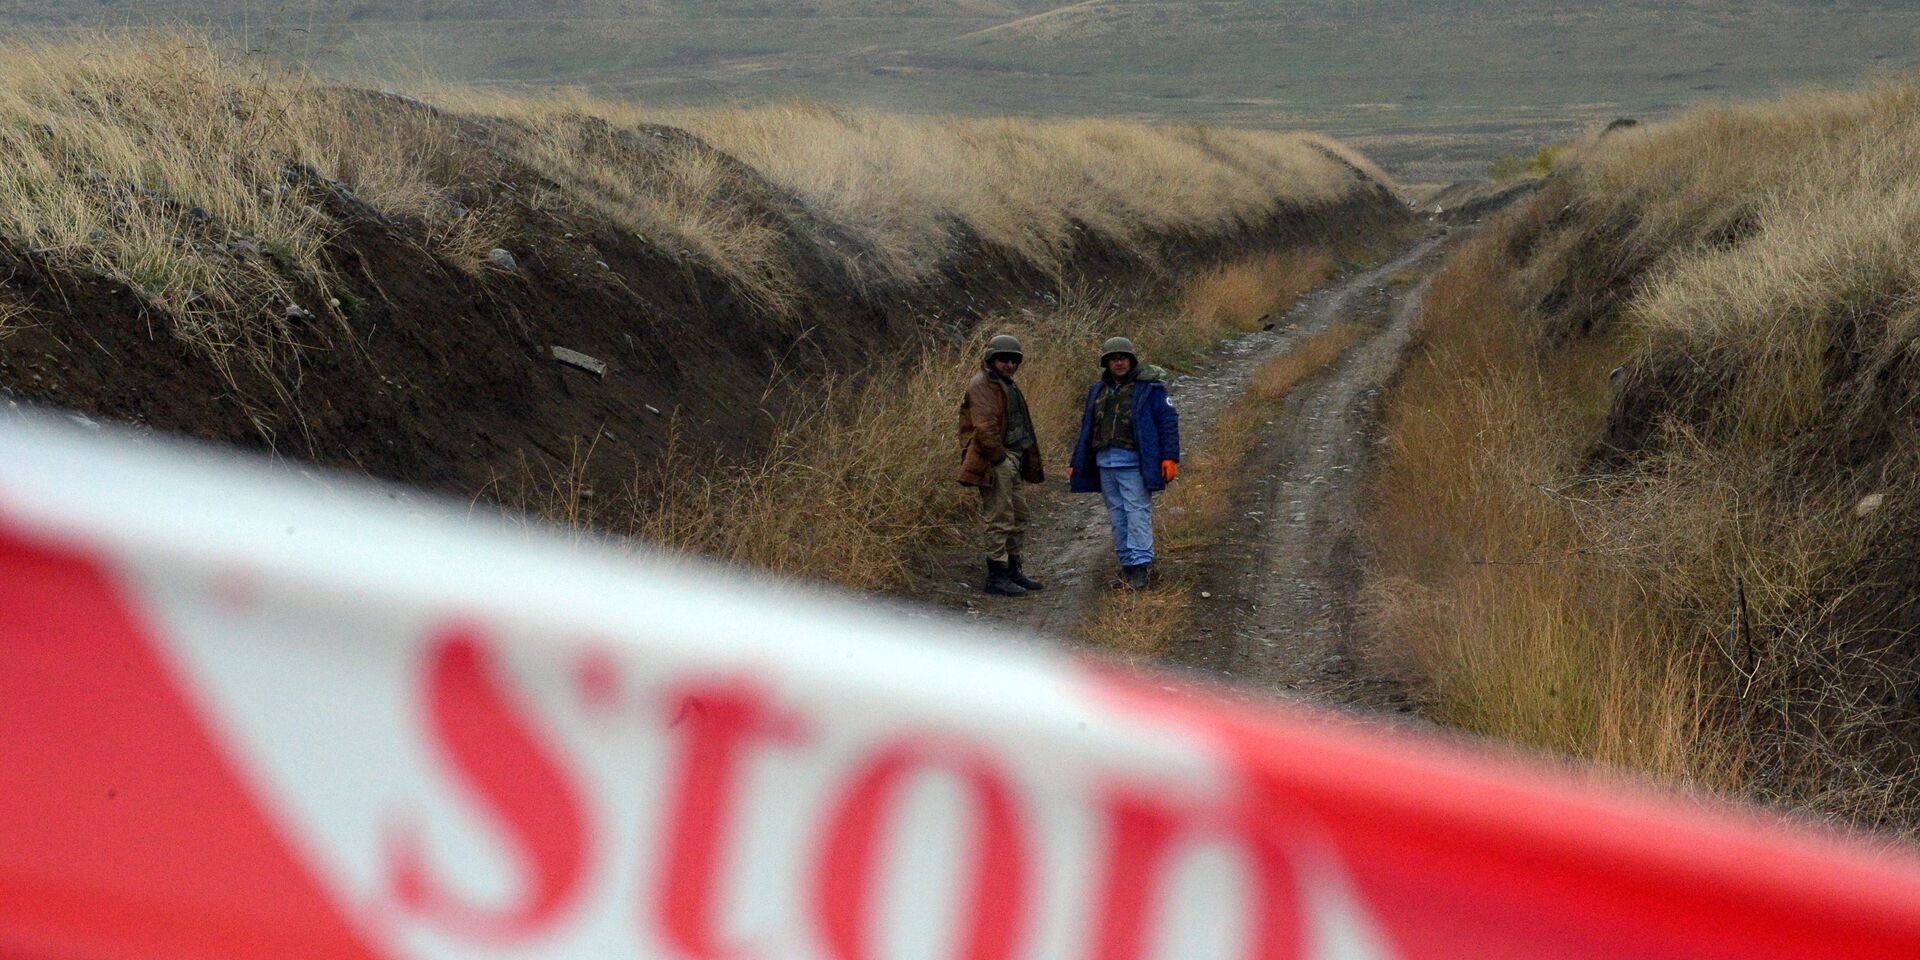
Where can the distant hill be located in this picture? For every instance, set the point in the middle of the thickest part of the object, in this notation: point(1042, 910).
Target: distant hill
point(1432, 87)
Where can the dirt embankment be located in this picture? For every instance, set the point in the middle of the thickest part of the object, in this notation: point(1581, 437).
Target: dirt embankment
point(417, 369)
point(1470, 200)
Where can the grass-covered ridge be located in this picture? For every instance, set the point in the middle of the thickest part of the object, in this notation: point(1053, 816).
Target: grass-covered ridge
point(906, 194)
point(212, 185)
point(1655, 502)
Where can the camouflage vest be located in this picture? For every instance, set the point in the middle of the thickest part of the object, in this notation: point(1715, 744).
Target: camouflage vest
point(1019, 432)
point(1113, 417)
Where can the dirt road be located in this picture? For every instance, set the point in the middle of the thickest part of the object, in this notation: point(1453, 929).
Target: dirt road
point(1278, 613)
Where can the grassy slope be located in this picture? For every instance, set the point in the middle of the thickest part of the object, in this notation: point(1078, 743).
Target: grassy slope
point(147, 162)
point(1436, 84)
point(1705, 561)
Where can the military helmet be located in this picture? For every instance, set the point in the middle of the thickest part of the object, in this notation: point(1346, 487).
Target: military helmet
point(1004, 344)
point(1118, 345)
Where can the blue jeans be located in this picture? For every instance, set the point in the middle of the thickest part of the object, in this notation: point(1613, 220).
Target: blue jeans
point(1129, 506)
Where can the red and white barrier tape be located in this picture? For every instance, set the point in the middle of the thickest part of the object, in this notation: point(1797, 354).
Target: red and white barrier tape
point(246, 715)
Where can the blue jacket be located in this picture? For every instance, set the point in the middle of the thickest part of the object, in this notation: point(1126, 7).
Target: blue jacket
point(1156, 433)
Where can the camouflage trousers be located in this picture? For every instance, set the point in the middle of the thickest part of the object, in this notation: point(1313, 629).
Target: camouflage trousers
point(1003, 510)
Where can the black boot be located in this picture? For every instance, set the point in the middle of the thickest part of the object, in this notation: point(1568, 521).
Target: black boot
point(1020, 577)
point(999, 584)
point(1135, 576)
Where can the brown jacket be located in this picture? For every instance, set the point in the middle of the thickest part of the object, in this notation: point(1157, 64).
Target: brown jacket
point(983, 427)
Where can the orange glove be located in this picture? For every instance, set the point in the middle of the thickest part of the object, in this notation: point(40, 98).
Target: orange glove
point(1169, 469)
point(1069, 473)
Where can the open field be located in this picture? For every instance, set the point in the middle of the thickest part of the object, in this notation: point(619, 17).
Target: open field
point(1431, 88)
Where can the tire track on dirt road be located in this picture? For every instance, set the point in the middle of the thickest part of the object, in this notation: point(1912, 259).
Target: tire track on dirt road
point(1284, 583)
point(1310, 462)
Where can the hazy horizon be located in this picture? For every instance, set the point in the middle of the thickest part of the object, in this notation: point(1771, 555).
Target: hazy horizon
point(1433, 89)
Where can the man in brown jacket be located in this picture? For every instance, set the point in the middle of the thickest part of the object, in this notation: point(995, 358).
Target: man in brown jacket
point(998, 454)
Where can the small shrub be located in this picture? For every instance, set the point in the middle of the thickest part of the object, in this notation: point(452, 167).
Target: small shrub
point(1543, 161)
point(1508, 166)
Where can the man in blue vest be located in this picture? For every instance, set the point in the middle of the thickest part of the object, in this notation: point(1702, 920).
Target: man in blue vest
point(1129, 449)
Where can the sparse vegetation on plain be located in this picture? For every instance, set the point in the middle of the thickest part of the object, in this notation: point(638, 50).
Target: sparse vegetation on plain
point(1653, 503)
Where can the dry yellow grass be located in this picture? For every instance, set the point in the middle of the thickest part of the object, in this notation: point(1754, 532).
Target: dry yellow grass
point(110, 157)
point(12, 311)
point(162, 163)
point(1277, 378)
point(1243, 295)
point(676, 193)
point(1670, 570)
point(846, 494)
point(898, 186)
point(1487, 581)
point(156, 163)
point(1139, 625)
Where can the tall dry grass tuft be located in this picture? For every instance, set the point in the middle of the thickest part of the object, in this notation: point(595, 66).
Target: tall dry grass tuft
point(667, 188)
point(1487, 581)
point(1139, 626)
point(195, 180)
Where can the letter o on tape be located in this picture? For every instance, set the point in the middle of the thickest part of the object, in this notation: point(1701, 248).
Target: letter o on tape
point(997, 895)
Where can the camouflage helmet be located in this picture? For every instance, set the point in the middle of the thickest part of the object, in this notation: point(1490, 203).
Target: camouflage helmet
point(1118, 345)
point(1003, 344)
